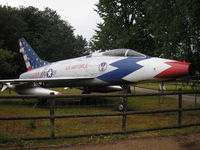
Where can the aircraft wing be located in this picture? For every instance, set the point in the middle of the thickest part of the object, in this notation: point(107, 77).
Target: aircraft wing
point(44, 79)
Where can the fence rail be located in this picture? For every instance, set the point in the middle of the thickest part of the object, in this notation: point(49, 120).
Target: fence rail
point(124, 113)
point(93, 95)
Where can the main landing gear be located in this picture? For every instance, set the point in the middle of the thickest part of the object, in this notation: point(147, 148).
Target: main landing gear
point(41, 101)
point(85, 100)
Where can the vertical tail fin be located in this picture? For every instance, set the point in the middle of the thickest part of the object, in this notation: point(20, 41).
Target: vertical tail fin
point(32, 60)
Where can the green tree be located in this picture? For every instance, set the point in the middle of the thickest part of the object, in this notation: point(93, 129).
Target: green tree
point(11, 27)
point(50, 36)
point(80, 45)
point(124, 26)
point(175, 25)
point(155, 27)
point(7, 63)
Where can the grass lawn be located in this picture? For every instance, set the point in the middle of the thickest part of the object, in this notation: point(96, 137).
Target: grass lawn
point(11, 131)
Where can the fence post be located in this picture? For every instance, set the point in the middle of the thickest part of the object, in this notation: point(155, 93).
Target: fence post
point(180, 108)
point(52, 107)
point(124, 101)
point(195, 99)
point(126, 89)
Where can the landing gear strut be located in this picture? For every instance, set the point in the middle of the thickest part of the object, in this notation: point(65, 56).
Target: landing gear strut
point(85, 100)
point(41, 101)
point(123, 102)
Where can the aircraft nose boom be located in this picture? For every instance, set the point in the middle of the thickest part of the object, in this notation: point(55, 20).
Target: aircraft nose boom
point(177, 69)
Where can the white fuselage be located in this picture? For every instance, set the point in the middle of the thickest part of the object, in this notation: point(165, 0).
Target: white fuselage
point(98, 71)
point(96, 66)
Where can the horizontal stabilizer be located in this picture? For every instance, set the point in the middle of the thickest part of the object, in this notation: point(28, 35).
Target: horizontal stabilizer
point(4, 87)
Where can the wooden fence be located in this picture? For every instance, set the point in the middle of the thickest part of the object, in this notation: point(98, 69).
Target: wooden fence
point(124, 113)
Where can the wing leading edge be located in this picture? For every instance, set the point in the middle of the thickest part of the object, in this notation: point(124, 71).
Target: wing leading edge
point(44, 79)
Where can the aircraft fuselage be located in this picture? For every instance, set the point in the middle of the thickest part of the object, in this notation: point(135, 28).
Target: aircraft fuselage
point(108, 70)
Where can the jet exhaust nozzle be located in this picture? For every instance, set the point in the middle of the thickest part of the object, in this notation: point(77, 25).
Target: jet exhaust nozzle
point(192, 69)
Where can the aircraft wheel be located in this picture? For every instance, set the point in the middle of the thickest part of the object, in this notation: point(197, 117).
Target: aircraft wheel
point(121, 107)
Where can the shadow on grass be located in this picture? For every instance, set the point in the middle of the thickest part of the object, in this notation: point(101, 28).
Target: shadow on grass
point(66, 103)
point(16, 103)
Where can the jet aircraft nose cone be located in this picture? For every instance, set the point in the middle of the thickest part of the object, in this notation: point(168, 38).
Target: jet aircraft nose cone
point(177, 69)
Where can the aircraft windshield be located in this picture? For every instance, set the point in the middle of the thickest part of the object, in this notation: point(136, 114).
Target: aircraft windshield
point(123, 53)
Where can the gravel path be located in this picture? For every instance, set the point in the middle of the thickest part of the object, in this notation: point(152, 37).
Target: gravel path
point(185, 97)
point(178, 142)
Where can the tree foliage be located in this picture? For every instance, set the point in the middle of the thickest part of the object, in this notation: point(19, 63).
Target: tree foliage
point(7, 63)
point(50, 36)
point(175, 26)
point(155, 27)
point(124, 26)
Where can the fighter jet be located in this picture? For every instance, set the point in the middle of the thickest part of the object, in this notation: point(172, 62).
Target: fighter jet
point(106, 71)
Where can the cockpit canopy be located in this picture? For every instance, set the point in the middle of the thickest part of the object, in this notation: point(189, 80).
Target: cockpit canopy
point(123, 53)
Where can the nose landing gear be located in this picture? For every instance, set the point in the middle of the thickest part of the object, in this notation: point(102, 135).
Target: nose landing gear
point(123, 100)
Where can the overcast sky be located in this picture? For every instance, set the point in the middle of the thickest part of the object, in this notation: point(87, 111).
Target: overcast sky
point(79, 13)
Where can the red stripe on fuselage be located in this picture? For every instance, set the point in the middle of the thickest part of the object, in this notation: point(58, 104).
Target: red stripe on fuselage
point(29, 68)
point(176, 69)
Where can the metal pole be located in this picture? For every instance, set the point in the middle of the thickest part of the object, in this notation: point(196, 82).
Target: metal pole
point(52, 107)
point(180, 108)
point(161, 90)
point(159, 96)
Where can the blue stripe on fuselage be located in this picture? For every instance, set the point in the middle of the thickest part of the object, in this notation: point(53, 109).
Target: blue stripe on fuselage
point(125, 67)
